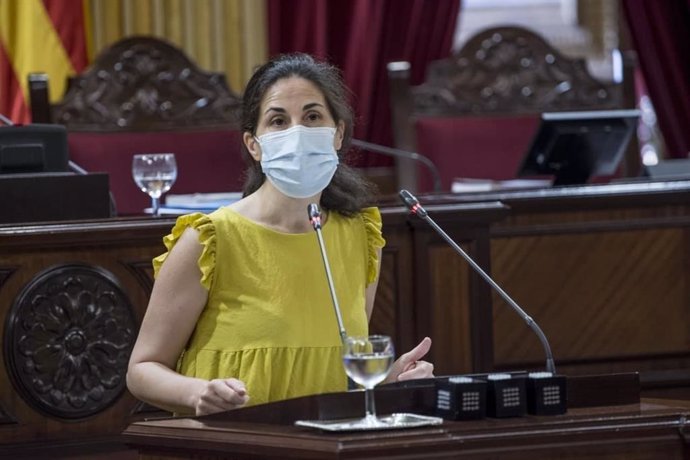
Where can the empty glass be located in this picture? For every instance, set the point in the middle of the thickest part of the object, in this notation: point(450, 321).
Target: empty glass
point(154, 174)
point(367, 361)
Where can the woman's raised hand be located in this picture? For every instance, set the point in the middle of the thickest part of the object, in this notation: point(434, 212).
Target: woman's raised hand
point(410, 366)
point(219, 395)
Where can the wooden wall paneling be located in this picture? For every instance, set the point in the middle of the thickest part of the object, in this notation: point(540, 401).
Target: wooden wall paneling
point(450, 312)
point(605, 277)
point(452, 301)
point(598, 296)
point(394, 307)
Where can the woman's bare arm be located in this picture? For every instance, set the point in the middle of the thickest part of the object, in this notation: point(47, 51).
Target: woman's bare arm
point(176, 302)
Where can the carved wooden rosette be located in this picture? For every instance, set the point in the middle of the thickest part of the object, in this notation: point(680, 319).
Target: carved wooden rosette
point(68, 339)
point(510, 70)
point(143, 83)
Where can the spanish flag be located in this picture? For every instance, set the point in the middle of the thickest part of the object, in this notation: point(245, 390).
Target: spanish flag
point(39, 36)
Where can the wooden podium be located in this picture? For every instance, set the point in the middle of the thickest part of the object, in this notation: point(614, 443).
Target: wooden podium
point(624, 427)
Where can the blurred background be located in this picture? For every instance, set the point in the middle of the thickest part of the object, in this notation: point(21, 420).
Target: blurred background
point(63, 37)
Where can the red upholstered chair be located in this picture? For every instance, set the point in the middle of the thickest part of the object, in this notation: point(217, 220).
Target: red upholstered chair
point(477, 111)
point(143, 95)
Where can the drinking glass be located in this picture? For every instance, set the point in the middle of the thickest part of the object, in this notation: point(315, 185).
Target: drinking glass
point(154, 173)
point(367, 361)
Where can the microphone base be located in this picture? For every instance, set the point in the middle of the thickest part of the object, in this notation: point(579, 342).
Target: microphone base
point(506, 397)
point(461, 398)
point(547, 395)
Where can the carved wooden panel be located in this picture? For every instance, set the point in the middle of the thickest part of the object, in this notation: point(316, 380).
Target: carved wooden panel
point(144, 83)
point(510, 70)
point(68, 339)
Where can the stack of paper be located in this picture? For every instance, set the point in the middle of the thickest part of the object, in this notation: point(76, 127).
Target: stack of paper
point(198, 202)
point(466, 185)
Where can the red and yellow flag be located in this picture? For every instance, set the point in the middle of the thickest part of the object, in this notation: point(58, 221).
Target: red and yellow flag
point(39, 36)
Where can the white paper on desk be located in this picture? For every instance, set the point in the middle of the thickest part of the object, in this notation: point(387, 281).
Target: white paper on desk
point(468, 185)
point(202, 200)
point(175, 211)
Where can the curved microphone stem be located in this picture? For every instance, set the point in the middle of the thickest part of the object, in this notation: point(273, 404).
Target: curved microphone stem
point(6, 120)
point(399, 153)
point(315, 219)
point(414, 206)
point(76, 168)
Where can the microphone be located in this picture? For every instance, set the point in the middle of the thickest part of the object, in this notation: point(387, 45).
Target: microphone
point(399, 153)
point(415, 208)
point(315, 219)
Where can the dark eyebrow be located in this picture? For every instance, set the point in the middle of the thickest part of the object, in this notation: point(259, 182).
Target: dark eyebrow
point(275, 109)
point(312, 105)
point(305, 108)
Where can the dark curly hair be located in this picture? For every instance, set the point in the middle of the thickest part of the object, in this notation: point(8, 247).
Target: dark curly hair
point(348, 191)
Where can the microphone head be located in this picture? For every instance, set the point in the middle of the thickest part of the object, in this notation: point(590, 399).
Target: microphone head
point(408, 198)
point(412, 203)
point(314, 215)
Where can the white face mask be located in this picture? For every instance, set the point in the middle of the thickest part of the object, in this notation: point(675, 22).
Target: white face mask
point(300, 161)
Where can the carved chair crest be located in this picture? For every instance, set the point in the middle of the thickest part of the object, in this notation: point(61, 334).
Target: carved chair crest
point(145, 84)
point(510, 70)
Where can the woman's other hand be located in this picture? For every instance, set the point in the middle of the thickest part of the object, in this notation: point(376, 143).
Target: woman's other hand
point(410, 366)
point(219, 395)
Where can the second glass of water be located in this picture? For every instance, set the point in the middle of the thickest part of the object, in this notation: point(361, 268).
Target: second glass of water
point(367, 361)
point(154, 174)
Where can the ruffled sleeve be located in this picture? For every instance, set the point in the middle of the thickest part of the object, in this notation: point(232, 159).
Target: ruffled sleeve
point(372, 225)
point(207, 237)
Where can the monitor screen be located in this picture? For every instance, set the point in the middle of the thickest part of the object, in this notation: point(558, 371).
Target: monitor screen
point(574, 146)
point(33, 148)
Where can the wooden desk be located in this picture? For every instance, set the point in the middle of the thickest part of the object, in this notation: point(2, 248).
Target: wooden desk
point(604, 271)
point(650, 430)
point(624, 429)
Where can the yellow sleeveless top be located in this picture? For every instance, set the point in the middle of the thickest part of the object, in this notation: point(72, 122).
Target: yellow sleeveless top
point(269, 319)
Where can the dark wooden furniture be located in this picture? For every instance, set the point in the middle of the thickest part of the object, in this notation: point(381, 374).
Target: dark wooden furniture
point(623, 428)
point(476, 111)
point(603, 269)
point(143, 95)
point(71, 297)
point(138, 84)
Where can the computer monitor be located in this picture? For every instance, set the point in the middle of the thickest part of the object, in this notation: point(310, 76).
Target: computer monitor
point(33, 148)
point(574, 146)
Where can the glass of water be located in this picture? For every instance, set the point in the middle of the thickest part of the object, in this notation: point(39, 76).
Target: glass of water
point(367, 361)
point(154, 174)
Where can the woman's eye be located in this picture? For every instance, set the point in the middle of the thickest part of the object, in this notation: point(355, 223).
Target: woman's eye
point(277, 122)
point(313, 116)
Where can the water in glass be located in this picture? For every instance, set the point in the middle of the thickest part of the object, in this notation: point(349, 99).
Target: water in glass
point(154, 174)
point(367, 360)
